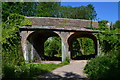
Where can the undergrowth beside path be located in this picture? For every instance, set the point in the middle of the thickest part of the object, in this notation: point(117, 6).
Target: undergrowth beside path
point(29, 70)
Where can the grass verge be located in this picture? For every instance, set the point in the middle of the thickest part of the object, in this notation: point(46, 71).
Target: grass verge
point(29, 70)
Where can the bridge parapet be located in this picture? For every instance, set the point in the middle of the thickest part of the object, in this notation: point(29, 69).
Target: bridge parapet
point(61, 22)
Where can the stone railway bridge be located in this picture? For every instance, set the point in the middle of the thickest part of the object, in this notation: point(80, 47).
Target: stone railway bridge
point(34, 36)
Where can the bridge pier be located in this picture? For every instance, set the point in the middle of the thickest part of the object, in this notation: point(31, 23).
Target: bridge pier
point(28, 51)
point(98, 47)
point(65, 46)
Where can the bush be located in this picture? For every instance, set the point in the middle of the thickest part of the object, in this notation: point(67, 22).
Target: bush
point(104, 67)
point(29, 70)
point(11, 71)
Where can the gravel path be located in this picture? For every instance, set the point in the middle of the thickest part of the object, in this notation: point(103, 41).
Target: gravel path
point(73, 70)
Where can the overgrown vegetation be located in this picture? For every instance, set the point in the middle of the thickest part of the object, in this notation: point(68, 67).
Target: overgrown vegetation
point(48, 9)
point(11, 39)
point(83, 46)
point(53, 47)
point(107, 65)
point(104, 67)
point(29, 70)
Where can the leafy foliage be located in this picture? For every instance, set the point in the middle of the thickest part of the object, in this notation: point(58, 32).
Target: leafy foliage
point(103, 25)
point(28, 71)
point(109, 38)
point(87, 45)
point(47, 9)
point(107, 66)
point(116, 25)
point(82, 12)
point(22, 8)
point(103, 67)
point(83, 46)
point(11, 39)
point(53, 47)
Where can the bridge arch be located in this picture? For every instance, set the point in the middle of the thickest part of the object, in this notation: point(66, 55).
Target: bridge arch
point(76, 35)
point(44, 27)
point(34, 42)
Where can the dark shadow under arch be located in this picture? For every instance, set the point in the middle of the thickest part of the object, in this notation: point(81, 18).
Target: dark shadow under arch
point(82, 35)
point(37, 39)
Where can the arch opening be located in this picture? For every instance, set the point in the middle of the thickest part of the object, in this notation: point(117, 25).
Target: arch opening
point(82, 49)
point(82, 46)
point(52, 49)
point(37, 42)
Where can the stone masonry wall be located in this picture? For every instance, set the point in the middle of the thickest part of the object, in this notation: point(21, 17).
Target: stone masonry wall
point(61, 22)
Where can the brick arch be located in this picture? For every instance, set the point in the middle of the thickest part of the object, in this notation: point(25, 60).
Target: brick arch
point(76, 35)
point(36, 39)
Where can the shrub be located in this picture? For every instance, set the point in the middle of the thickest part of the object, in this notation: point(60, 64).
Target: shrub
point(11, 71)
point(29, 70)
point(104, 67)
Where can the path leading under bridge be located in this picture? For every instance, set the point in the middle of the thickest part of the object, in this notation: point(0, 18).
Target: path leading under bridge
point(74, 70)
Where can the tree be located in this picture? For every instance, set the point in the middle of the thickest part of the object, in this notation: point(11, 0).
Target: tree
point(47, 9)
point(76, 49)
point(83, 46)
point(22, 8)
point(116, 25)
point(91, 13)
point(10, 7)
point(11, 39)
point(103, 25)
point(83, 12)
point(53, 47)
point(65, 12)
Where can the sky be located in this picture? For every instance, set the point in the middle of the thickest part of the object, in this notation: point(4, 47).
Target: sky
point(105, 10)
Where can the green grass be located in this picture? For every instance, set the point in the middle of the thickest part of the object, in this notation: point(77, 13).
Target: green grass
point(29, 70)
